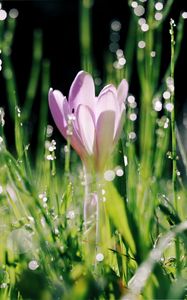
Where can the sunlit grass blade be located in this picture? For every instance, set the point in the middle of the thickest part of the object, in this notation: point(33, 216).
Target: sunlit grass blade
point(86, 35)
point(138, 281)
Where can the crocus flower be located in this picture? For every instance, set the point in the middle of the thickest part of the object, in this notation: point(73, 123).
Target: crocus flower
point(93, 124)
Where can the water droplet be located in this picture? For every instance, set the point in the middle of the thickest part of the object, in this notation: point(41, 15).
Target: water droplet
point(66, 149)
point(70, 215)
point(159, 6)
point(3, 14)
point(119, 172)
point(153, 53)
point(169, 106)
point(99, 257)
point(109, 175)
point(122, 61)
point(132, 136)
point(3, 285)
point(141, 44)
point(184, 15)
point(131, 99)
point(116, 25)
point(157, 104)
point(98, 81)
point(141, 21)
point(166, 95)
point(114, 37)
point(103, 192)
point(125, 160)
point(13, 13)
point(133, 117)
point(113, 47)
point(144, 27)
point(158, 16)
point(56, 231)
point(139, 10)
point(2, 115)
point(50, 157)
point(43, 196)
point(119, 53)
point(49, 131)
point(134, 4)
point(33, 265)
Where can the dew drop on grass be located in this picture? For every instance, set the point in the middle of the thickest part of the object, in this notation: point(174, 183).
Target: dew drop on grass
point(122, 61)
point(114, 37)
point(3, 285)
point(70, 215)
point(169, 106)
point(56, 231)
point(103, 192)
point(132, 135)
point(141, 44)
point(158, 16)
point(50, 157)
point(125, 160)
point(49, 131)
point(116, 25)
point(133, 117)
point(99, 257)
point(134, 4)
point(3, 14)
point(33, 265)
point(157, 104)
point(119, 53)
point(66, 149)
point(13, 13)
point(109, 175)
point(141, 21)
point(119, 172)
point(2, 115)
point(145, 27)
point(166, 95)
point(113, 47)
point(139, 10)
point(159, 6)
point(131, 99)
point(184, 15)
point(153, 53)
point(98, 81)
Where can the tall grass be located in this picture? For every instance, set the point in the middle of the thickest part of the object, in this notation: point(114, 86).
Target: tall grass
point(43, 251)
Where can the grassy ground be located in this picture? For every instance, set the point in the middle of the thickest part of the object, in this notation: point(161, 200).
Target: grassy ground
point(43, 250)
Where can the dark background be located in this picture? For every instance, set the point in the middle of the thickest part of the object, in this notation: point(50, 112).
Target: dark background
point(59, 21)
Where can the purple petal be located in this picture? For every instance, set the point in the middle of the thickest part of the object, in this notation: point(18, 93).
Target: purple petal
point(119, 127)
point(109, 87)
point(122, 91)
point(104, 133)
point(82, 91)
point(86, 127)
point(107, 101)
point(59, 109)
